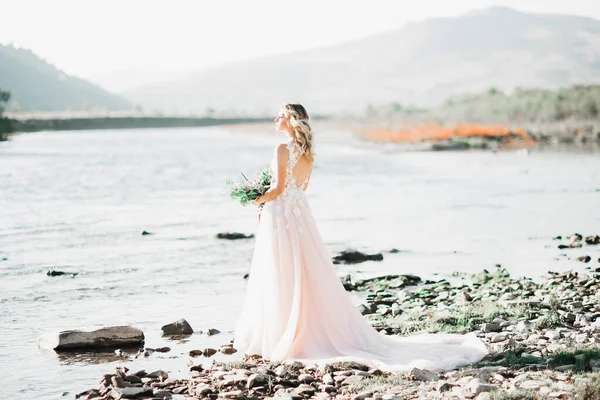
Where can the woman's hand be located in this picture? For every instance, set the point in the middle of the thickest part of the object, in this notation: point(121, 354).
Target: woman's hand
point(258, 201)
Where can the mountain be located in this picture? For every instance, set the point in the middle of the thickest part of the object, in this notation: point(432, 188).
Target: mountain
point(38, 85)
point(420, 63)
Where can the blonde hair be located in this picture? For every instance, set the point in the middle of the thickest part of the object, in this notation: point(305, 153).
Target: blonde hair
point(298, 121)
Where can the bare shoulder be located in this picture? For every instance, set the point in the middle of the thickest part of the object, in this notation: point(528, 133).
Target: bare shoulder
point(281, 150)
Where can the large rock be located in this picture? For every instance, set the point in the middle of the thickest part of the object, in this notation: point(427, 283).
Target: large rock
point(105, 337)
point(179, 327)
point(355, 257)
point(592, 239)
point(233, 236)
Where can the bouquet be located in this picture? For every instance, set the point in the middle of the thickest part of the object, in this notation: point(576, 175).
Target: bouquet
point(247, 191)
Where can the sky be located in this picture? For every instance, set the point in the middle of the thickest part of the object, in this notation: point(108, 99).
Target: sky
point(89, 37)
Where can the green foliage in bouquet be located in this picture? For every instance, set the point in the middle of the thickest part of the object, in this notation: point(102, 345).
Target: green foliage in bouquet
point(247, 191)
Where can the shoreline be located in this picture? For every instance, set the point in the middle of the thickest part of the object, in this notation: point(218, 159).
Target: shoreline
point(93, 123)
point(409, 134)
point(543, 340)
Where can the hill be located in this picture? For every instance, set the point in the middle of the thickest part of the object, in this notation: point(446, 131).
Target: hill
point(35, 84)
point(420, 64)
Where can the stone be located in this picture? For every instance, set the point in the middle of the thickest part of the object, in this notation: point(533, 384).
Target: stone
point(523, 326)
point(61, 273)
point(327, 388)
point(212, 332)
point(179, 327)
point(202, 390)
point(391, 396)
point(531, 385)
point(552, 335)
point(228, 350)
point(162, 394)
point(113, 336)
point(493, 327)
point(355, 257)
point(499, 337)
point(364, 309)
point(328, 379)
point(233, 236)
point(196, 353)
point(160, 374)
point(423, 375)
point(180, 389)
point(444, 386)
point(306, 378)
point(592, 240)
point(234, 379)
point(130, 392)
point(258, 380)
point(304, 390)
point(281, 370)
point(351, 365)
point(209, 352)
point(234, 394)
point(118, 381)
point(477, 386)
point(351, 380)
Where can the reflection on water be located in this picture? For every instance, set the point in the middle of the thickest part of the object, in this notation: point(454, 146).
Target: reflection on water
point(107, 355)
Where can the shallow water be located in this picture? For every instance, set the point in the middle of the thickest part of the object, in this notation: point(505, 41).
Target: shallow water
point(78, 202)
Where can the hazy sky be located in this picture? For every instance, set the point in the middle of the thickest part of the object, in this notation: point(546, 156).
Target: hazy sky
point(85, 37)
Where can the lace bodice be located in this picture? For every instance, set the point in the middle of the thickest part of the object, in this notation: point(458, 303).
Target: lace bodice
point(293, 194)
point(294, 155)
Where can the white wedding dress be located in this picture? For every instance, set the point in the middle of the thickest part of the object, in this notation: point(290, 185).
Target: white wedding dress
point(297, 308)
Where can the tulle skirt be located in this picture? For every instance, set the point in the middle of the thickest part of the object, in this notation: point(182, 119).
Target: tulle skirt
point(297, 308)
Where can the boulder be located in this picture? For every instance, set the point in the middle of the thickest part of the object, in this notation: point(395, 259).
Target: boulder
point(233, 236)
point(179, 327)
point(355, 257)
point(100, 338)
point(592, 239)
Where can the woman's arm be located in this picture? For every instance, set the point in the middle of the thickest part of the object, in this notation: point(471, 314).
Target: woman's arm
point(275, 191)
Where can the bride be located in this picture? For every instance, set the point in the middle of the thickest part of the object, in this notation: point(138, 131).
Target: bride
point(296, 306)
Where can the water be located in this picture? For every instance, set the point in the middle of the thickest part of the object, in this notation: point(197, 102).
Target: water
point(78, 202)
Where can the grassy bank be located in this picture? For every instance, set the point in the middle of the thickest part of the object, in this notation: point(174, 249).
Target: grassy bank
point(492, 119)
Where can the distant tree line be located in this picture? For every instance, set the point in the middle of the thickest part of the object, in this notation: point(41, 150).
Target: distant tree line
point(5, 123)
point(580, 102)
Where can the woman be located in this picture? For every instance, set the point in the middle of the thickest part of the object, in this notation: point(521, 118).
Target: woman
point(295, 306)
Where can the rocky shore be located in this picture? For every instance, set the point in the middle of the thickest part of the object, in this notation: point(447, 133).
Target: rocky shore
point(543, 339)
